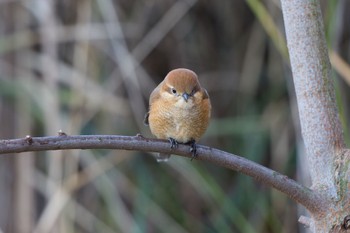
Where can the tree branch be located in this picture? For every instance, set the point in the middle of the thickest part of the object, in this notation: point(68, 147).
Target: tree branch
point(304, 196)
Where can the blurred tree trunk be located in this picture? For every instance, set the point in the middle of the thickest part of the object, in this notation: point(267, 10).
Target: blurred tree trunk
point(7, 171)
point(23, 196)
point(320, 125)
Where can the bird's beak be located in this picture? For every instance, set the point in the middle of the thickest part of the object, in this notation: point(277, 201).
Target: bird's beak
point(185, 96)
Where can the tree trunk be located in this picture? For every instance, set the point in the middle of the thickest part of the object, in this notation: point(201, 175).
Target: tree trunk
point(320, 125)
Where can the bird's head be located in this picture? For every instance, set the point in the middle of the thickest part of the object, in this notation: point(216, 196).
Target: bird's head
point(181, 85)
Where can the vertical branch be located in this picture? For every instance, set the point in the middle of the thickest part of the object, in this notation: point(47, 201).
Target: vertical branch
point(321, 128)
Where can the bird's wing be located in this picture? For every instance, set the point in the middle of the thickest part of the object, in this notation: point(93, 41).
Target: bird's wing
point(154, 97)
point(155, 94)
point(205, 94)
point(145, 119)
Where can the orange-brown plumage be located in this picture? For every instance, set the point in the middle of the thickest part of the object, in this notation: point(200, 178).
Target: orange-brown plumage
point(179, 108)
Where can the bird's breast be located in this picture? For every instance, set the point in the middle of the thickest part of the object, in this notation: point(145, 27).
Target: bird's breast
point(183, 121)
point(181, 104)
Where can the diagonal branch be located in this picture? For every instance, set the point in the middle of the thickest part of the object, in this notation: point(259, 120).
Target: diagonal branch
point(304, 196)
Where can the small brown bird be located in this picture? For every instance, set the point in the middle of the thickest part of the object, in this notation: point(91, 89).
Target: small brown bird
point(179, 110)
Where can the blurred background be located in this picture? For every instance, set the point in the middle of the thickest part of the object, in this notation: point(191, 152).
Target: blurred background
point(89, 66)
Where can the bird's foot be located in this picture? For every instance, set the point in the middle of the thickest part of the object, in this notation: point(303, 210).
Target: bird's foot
point(173, 143)
point(193, 149)
point(139, 135)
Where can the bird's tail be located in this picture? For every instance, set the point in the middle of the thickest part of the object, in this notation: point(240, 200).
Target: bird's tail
point(162, 157)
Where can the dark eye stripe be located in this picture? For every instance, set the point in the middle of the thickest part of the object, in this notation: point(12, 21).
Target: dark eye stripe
point(196, 89)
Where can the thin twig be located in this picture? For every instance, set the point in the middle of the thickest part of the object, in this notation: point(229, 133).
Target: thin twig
point(306, 197)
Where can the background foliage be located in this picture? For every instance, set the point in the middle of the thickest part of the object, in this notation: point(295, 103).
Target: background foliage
point(88, 67)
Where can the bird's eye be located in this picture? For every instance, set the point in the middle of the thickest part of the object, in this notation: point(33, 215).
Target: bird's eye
point(173, 90)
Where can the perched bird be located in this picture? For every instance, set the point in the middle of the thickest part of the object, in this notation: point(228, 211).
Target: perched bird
point(179, 110)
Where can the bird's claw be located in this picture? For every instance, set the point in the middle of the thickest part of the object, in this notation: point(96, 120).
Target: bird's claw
point(193, 149)
point(139, 135)
point(173, 143)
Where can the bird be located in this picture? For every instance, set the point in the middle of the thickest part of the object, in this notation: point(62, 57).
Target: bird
point(179, 110)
